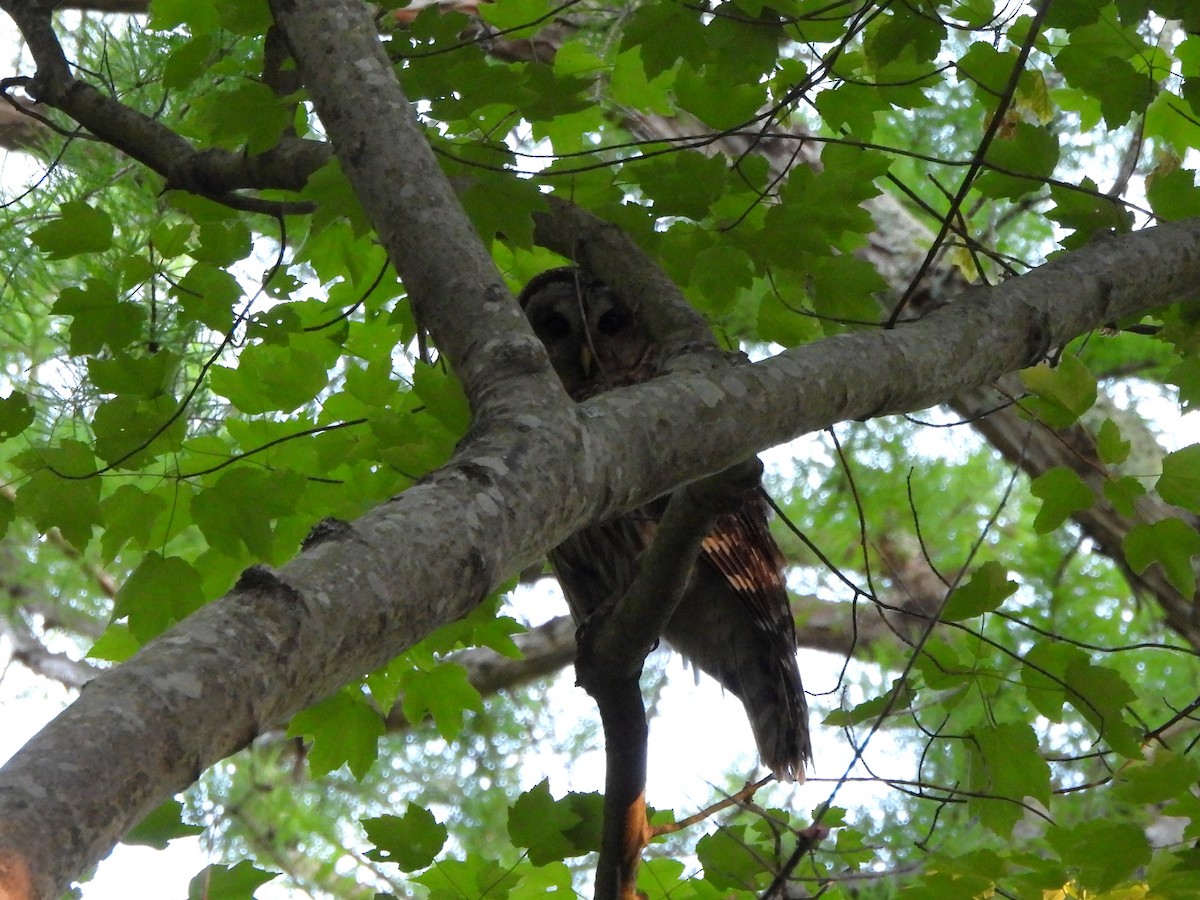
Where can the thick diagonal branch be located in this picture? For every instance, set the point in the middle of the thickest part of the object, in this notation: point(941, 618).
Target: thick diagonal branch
point(896, 249)
point(204, 689)
point(452, 282)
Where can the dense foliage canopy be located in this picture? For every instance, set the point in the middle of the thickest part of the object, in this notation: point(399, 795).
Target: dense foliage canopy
point(276, 446)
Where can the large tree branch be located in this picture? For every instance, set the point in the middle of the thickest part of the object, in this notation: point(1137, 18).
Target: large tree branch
point(897, 249)
point(452, 282)
point(545, 650)
point(281, 641)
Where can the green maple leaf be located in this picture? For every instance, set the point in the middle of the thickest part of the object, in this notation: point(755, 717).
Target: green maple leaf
point(1063, 494)
point(344, 728)
point(412, 841)
point(160, 592)
point(1180, 480)
point(542, 824)
point(444, 693)
point(988, 588)
point(1006, 767)
point(1172, 544)
point(228, 882)
point(79, 228)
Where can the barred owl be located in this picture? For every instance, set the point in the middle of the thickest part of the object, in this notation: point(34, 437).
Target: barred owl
point(733, 621)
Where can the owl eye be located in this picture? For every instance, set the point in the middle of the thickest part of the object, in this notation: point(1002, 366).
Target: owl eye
point(614, 321)
point(552, 325)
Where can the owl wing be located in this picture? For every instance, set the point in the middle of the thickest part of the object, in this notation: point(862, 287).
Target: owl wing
point(741, 548)
point(733, 621)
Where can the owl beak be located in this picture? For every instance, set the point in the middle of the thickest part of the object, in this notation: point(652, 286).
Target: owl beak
point(586, 360)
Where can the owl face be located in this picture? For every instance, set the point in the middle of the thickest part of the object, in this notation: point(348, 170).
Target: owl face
point(594, 340)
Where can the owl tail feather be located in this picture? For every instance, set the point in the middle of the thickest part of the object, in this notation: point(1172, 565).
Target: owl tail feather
point(761, 674)
point(779, 721)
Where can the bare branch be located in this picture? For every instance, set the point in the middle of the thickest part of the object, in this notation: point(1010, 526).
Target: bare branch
point(213, 173)
point(39, 659)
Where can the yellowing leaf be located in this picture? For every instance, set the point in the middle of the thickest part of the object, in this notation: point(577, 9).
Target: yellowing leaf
point(1101, 851)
